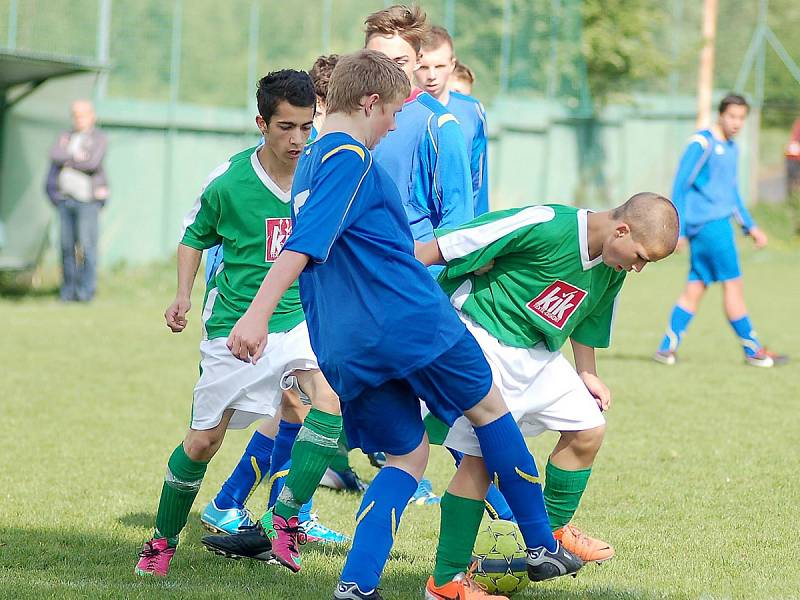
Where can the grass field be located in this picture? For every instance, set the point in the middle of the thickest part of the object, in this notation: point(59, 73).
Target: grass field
point(696, 486)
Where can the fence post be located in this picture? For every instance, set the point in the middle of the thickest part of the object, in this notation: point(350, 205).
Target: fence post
point(11, 40)
point(103, 47)
point(174, 90)
point(252, 50)
point(505, 47)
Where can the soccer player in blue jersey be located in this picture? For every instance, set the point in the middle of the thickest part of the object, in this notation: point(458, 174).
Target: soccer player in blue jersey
point(437, 63)
point(706, 194)
point(461, 79)
point(426, 156)
point(396, 339)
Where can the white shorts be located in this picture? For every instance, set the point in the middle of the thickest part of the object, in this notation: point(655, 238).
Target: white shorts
point(541, 388)
point(253, 391)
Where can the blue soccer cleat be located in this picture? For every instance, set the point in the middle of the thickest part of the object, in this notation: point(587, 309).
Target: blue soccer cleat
point(317, 532)
point(377, 459)
point(346, 480)
point(228, 521)
point(424, 494)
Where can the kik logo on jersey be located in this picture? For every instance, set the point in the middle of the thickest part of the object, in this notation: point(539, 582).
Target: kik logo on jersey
point(557, 303)
point(278, 230)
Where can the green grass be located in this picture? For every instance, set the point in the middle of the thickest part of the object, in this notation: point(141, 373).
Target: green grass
point(696, 485)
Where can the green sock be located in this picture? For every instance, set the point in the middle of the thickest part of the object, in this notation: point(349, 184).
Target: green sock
point(316, 444)
point(461, 519)
point(341, 461)
point(181, 484)
point(437, 430)
point(562, 493)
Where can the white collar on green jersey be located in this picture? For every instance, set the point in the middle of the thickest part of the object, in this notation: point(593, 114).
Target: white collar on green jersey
point(583, 241)
point(273, 187)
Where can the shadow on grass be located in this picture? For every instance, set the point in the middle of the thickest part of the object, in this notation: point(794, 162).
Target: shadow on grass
point(36, 563)
point(621, 356)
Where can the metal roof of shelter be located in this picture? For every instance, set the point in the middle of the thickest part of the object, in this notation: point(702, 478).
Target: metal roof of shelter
point(18, 67)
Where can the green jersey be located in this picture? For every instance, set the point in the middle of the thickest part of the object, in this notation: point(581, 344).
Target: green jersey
point(543, 286)
point(245, 211)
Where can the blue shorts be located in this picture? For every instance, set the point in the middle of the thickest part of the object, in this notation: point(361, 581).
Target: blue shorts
point(389, 418)
point(713, 253)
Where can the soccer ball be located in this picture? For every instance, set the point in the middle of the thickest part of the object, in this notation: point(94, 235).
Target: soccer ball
point(501, 558)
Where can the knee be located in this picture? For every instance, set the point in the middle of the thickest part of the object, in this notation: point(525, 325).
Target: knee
point(586, 443)
point(201, 446)
point(413, 463)
point(327, 401)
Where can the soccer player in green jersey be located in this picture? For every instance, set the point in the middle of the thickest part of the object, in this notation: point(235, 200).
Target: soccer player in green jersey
point(555, 274)
point(245, 207)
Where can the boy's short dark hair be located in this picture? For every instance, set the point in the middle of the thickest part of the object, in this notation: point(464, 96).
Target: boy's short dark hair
point(408, 22)
point(293, 86)
point(732, 99)
point(321, 74)
point(437, 37)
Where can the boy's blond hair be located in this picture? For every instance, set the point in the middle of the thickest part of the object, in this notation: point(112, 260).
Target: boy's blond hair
point(408, 22)
point(463, 73)
point(364, 73)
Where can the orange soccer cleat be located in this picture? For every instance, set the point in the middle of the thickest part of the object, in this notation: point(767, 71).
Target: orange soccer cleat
point(588, 549)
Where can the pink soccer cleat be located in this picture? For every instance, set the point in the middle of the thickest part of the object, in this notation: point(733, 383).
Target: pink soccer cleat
point(154, 558)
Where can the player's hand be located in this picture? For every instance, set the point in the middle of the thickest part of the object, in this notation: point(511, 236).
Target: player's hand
point(598, 389)
point(485, 268)
point(682, 243)
point(175, 314)
point(248, 337)
point(759, 237)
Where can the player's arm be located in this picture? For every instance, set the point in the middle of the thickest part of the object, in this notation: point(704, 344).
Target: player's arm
point(586, 366)
point(199, 233)
point(480, 165)
point(319, 221)
point(188, 263)
point(748, 225)
point(688, 169)
point(451, 173)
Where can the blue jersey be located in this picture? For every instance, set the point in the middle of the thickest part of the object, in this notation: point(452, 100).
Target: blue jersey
point(472, 118)
point(706, 186)
point(373, 312)
point(426, 156)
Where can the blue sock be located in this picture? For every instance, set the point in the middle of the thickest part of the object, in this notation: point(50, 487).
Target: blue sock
point(496, 505)
point(678, 322)
point(376, 525)
point(281, 455)
point(252, 468)
point(513, 470)
point(747, 337)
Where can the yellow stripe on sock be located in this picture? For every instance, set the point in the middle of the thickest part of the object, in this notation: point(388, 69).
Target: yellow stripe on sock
point(529, 478)
point(496, 480)
point(274, 478)
point(254, 464)
point(394, 525)
point(363, 514)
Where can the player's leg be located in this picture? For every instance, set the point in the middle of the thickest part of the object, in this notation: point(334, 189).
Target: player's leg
point(682, 314)
point(461, 512)
point(226, 513)
point(293, 411)
point(736, 310)
point(460, 380)
point(386, 419)
point(316, 444)
point(185, 470)
point(69, 267)
point(341, 475)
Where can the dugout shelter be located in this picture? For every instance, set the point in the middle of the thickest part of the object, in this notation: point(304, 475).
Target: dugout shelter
point(24, 212)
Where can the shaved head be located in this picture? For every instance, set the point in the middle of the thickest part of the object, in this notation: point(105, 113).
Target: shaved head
point(653, 221)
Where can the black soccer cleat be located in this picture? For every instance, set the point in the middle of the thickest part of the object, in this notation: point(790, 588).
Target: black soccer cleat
point(350, 591)
point(544, 565)
point(251, 542)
